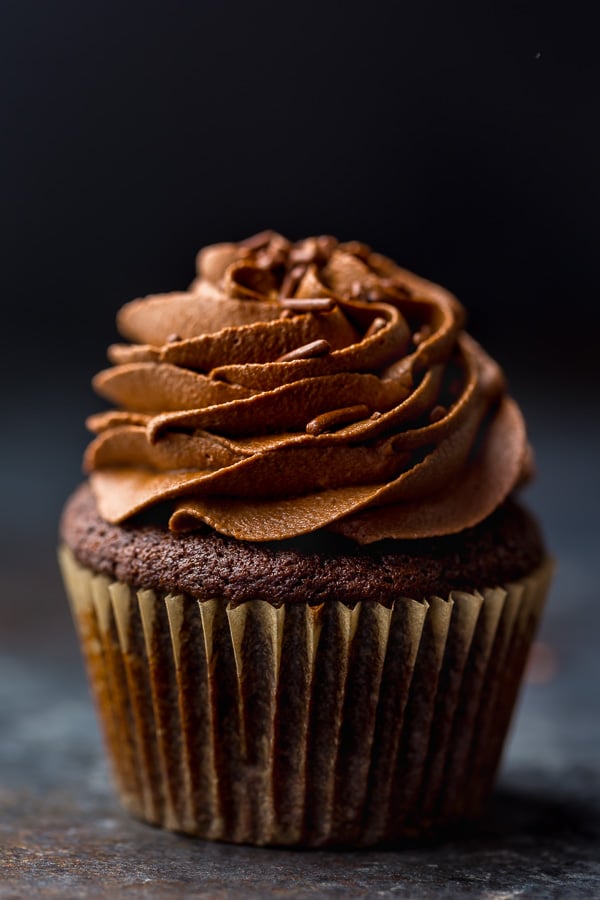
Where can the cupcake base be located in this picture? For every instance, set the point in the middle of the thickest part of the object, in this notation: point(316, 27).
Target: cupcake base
point(301, 724)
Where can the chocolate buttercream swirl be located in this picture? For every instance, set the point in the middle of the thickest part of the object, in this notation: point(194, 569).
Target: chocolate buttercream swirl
point(298, 386)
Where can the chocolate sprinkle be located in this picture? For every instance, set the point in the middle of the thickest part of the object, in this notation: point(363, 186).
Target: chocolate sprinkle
point(356, 248)
point(307, 304)
point(291, 281)
point(305, 251)
point(259, 240)
point(437, 413)
point(375, 326)
point(422, 335)
point(307, 351)
point(336, 417)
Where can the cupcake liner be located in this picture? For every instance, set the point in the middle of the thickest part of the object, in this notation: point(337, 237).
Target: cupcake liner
point(306, 725)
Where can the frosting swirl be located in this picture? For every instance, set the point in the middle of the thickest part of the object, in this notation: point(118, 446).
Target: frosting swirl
point(297, 386)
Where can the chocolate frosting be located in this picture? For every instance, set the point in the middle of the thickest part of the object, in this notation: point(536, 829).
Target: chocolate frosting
point(297, 386)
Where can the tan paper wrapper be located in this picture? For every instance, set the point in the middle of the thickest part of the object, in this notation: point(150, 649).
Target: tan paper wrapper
point(306, 725)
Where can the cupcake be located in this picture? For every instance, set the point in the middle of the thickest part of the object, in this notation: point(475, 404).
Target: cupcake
point(304, 590)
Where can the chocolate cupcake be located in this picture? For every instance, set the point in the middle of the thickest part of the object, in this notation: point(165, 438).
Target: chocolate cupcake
point(304, 593)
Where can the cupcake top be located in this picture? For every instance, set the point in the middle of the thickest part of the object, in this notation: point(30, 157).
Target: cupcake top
point(300, 386)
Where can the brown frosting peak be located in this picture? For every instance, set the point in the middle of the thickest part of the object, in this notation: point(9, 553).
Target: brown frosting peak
point(304, 385)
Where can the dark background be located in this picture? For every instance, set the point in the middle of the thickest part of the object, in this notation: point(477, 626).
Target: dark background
point(462, 140)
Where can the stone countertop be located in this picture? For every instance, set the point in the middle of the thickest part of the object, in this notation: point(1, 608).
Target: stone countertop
point(62, 833)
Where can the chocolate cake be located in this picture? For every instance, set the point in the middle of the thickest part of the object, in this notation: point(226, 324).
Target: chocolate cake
point(304, 589)
point(314, 568)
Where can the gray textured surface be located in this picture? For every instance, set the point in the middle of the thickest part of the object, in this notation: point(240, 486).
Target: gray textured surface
point(63, 835)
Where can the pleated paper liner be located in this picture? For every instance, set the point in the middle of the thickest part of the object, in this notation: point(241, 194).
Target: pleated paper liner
point(305, 725)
